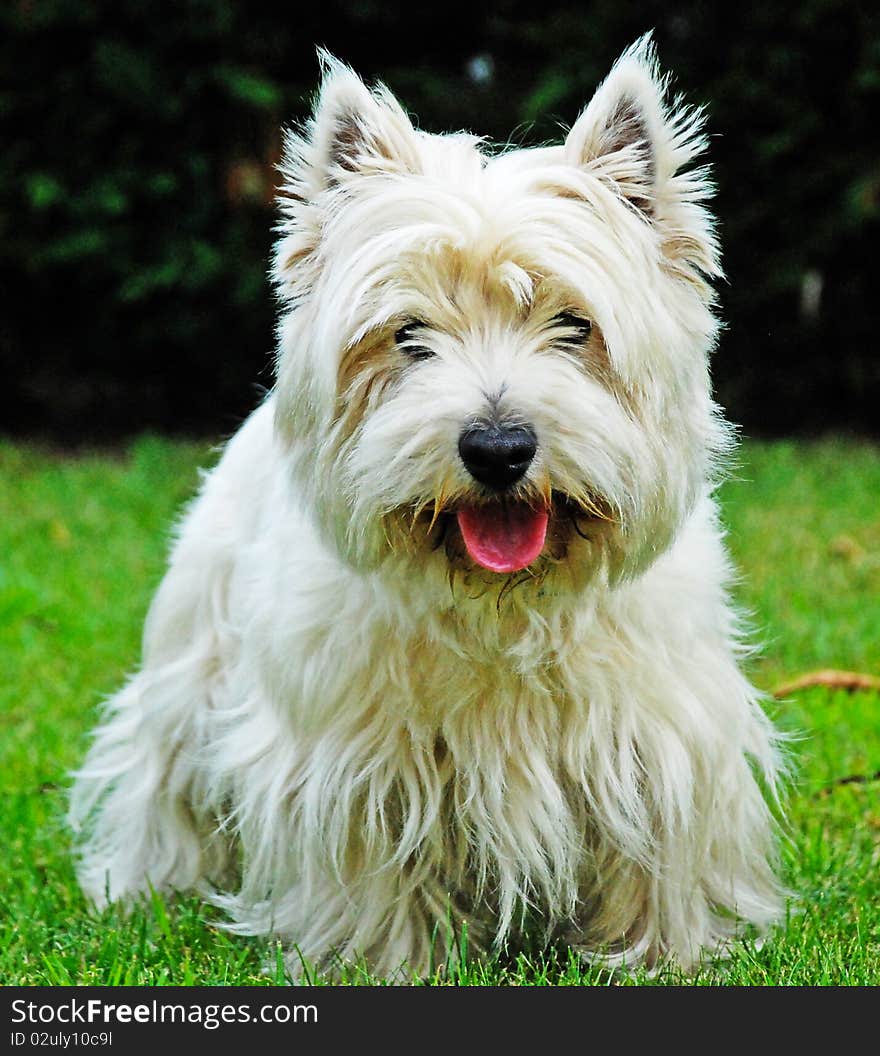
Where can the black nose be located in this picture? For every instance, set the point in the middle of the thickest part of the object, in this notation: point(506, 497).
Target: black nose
point(497, 456)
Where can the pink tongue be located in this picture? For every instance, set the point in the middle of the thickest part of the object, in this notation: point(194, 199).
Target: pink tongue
point(503, 537)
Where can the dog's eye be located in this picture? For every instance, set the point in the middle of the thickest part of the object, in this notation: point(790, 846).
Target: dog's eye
point(571, 329)
point(410, 341)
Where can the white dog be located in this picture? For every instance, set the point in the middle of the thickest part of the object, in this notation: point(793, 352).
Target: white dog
point(445, 638)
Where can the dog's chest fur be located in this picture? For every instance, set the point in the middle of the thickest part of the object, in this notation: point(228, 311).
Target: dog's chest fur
point(419, 724)
point(414, 726)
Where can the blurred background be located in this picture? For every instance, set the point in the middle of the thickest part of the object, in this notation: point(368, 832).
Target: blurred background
point(137, 170)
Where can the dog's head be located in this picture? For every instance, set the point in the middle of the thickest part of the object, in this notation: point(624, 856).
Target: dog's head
point(499, 363)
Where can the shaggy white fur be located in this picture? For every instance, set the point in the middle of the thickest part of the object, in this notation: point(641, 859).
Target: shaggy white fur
point(350, 732)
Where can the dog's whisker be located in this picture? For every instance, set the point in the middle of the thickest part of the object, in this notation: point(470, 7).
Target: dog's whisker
point(572, 515)
point(439, 503)
point(510, 584)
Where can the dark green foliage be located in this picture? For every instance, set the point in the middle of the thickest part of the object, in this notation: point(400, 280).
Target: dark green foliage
point(136, 169)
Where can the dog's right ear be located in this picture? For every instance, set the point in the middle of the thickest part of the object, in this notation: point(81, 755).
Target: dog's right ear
point(353, 132)
point(356, 131)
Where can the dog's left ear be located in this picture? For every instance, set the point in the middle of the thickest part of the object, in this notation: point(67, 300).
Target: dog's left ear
point(628, 135)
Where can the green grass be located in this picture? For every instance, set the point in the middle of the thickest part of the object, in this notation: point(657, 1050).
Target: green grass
point(82, 547)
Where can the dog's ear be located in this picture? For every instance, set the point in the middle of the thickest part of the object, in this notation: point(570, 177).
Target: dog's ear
point(621, 131)
point(628, 134)
point(355, 130)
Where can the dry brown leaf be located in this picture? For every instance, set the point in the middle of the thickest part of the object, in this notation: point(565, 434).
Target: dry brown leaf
point(851, 681)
